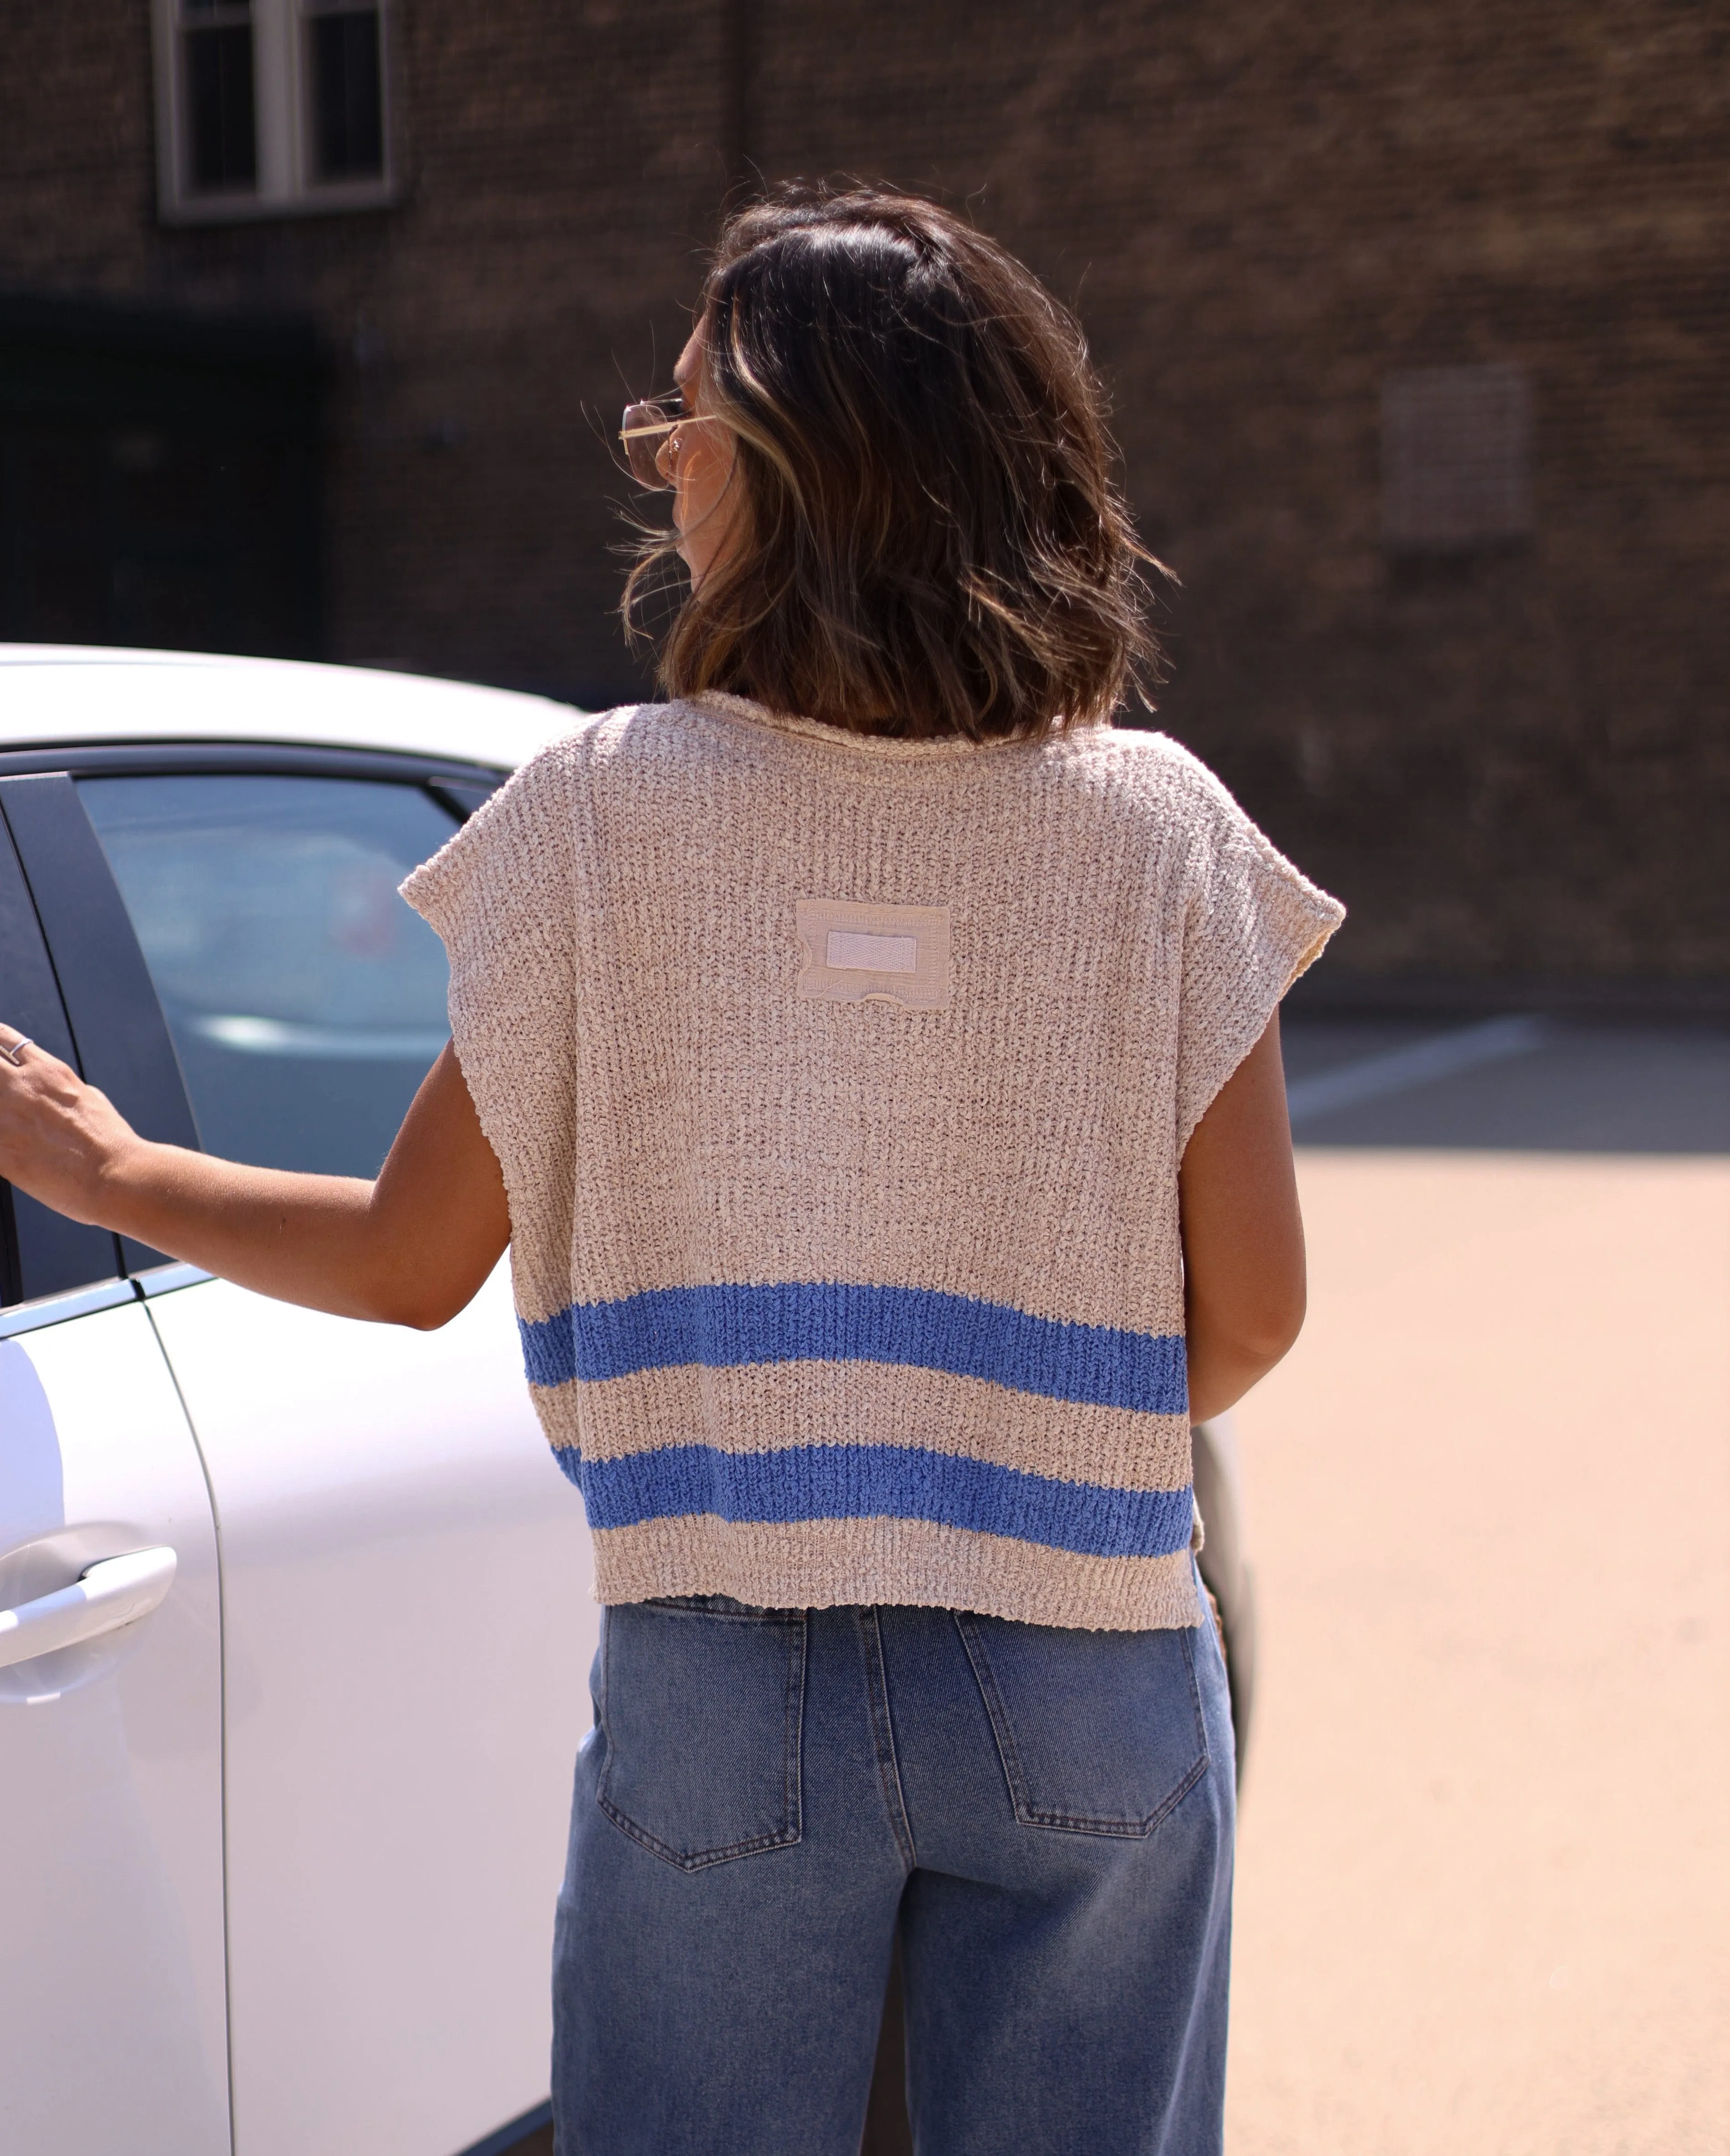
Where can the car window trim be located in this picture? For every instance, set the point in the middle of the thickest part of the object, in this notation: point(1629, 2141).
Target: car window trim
point(37, 1001)
point(169, 1279)
point(70, 1302)
point(66, 1303)
point(216, 759)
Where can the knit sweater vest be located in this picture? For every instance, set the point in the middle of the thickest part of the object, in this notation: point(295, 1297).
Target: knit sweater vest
point(840, 1087)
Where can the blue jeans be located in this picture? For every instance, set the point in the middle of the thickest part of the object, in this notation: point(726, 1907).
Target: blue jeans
point(1049, 1814)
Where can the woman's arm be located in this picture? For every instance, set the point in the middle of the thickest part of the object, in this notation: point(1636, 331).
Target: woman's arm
point(411, 1247)
point(1243, 1235)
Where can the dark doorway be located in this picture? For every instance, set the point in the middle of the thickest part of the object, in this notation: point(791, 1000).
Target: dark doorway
point(158, 480)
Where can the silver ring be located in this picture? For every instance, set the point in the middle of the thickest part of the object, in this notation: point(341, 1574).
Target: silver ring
point(15, 1055)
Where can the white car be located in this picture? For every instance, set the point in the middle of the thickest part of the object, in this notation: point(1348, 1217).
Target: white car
point(293, 1666)
point(294, 1623)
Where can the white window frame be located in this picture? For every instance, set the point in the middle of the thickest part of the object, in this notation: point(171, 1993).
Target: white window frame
point(288, 185)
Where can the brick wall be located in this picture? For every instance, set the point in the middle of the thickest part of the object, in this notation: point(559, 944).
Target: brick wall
point(1512, 762)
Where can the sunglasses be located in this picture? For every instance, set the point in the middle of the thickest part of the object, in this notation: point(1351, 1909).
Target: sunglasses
point(646, 430)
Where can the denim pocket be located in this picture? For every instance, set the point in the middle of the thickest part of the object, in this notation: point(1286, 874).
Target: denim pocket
point(701, 1703)
point(1099, 1733)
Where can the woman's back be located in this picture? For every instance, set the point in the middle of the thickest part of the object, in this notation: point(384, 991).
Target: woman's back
point(840, 1084)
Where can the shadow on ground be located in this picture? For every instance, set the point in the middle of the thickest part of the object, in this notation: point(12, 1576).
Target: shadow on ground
point(1562, 1086)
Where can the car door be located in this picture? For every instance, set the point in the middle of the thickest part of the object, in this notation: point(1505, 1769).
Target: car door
point(112, 2018)
point(407, 1626)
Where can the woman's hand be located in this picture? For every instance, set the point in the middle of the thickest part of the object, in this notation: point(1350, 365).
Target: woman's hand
point(58, 1137)
point(411, 1248)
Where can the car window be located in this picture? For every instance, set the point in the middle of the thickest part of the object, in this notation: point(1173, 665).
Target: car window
point(306, 999)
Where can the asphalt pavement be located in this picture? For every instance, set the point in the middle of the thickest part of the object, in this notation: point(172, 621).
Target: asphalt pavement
point(1484, 1888)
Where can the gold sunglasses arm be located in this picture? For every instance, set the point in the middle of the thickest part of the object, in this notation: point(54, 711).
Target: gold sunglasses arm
point(664, 426)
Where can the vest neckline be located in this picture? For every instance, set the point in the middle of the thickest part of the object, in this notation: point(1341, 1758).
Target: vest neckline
point(721, 703)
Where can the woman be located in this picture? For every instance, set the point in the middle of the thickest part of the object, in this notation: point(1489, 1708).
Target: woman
point(870, 1056)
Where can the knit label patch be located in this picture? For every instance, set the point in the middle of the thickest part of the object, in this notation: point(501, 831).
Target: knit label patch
point(848, 951)
point(852, 953)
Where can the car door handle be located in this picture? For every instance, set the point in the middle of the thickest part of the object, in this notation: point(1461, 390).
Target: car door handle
point(115, 1591)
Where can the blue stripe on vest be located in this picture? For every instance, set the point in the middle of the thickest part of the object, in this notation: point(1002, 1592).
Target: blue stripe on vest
point(839, 1322)
point(876, 1481)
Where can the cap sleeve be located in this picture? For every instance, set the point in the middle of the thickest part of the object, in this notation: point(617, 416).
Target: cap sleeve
point(499, 895)
point(1252, 923)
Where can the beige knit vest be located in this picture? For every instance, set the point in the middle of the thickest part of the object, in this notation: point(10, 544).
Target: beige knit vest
point(840, 1087)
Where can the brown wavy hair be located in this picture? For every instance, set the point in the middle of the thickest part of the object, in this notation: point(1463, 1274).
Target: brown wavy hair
point(932, 539)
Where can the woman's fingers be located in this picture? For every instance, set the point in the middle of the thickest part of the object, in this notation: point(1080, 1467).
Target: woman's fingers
point(25, 1065)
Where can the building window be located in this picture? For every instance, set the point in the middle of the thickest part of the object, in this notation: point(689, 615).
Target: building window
point(347, 93)
point(267, 108)
point(217, 56)
point(1456, 459)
